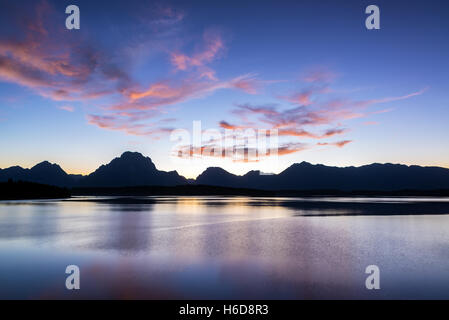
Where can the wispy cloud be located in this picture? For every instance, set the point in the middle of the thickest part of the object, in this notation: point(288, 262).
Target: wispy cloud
point(311, 117)
point(169, 92)
point(404, 97)
point(67, 108)
point(319, 75)
point(237, 153)
point(129, 124)
point(72, 68)
point(213, 46)
point(55, 66)
point(339, 144)
point(68, 67)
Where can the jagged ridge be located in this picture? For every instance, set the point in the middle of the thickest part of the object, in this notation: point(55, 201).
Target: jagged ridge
point(133, 169)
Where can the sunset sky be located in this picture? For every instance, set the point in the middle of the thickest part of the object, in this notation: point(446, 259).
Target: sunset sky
point(337, 93)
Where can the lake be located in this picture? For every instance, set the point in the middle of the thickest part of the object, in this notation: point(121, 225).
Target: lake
point(225, 247)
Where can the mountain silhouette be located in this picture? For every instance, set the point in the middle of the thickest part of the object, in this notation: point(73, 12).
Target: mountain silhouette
point(305, 176)
point(215, 176)
point(44, 173)
point(134, 169)
point(131, 169)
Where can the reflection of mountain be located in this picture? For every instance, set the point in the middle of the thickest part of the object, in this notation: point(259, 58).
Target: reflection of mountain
point(133, 169)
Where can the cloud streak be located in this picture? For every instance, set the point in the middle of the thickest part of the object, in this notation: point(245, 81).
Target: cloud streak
point(213, 46)
point(64, 67)
point(71, 68)
point(311, 117)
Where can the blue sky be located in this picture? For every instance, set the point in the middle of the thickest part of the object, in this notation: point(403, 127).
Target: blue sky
point(337, 93)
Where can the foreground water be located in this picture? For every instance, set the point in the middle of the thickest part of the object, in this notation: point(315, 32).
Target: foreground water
point(220, 248)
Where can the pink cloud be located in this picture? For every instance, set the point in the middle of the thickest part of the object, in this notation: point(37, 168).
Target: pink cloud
point(45, 60)
point(208, 73)
point(213, 46)
point(48, 63)
point(310, 118)
point(62, 69)
point(319, 75)
point(248, 84)
point(302, 98)
point(238, 153)
point(167, 15)
point(226, 125)
point(339, 144)
point(67, 108)
point(164, 93)
point(297, 133)
point(391, 99)
point(128, 123)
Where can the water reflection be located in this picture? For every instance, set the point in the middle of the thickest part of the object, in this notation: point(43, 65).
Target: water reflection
point(230, 247)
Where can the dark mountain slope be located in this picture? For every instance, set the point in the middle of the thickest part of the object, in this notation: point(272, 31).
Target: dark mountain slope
point(131, 169)
point(305, 176)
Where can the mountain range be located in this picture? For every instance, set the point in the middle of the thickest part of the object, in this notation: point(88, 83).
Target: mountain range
point(133, 169)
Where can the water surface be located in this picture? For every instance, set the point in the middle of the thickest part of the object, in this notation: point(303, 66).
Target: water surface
point(225, 247)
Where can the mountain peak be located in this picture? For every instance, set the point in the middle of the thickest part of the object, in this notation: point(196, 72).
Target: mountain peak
point(252, 173)
point(135, 169)
point(296, 166)
point(131, 162)
point(43, 164)
point(129, 158)
point(216, 170)
point(46, 165)
point(132, 155)
point(216, 176)
point(132, 169)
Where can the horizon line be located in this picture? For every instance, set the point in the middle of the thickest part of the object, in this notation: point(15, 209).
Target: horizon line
point(145, 156)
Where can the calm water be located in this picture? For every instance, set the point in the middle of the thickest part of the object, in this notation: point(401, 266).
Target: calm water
point(219, 248)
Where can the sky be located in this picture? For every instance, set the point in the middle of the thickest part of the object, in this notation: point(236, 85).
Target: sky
point(140, 75)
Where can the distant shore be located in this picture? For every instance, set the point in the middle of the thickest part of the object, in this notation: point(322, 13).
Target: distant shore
point(20, 190)
point(205, 190)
